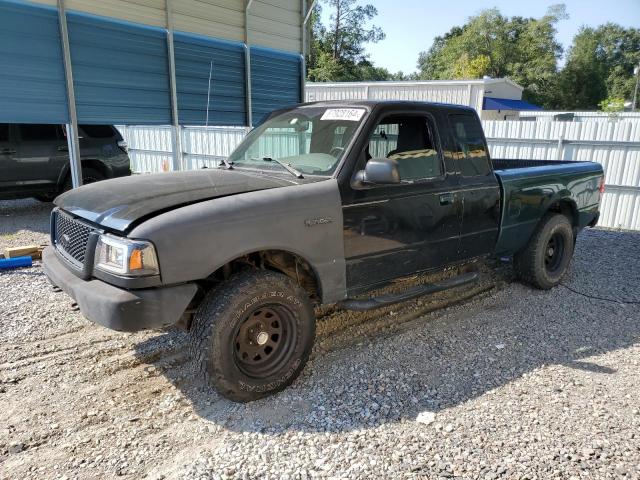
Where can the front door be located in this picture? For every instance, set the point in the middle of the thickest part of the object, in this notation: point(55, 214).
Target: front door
point(396, 230)
point(38, 155)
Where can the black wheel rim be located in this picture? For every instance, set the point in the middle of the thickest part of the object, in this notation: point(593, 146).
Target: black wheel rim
point(554, 253)
point(265, 340)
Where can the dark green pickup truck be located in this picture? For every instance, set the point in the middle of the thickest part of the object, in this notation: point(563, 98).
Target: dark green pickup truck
point(323, 203)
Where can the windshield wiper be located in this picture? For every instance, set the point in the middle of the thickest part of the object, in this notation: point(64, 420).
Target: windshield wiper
point(286, 166)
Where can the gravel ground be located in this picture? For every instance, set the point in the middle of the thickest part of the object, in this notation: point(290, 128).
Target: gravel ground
point(501, 381)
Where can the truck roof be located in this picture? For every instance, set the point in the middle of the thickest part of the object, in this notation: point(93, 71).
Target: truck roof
point(386, 104)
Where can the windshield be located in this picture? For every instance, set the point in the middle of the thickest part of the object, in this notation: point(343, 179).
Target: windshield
point(312, 140)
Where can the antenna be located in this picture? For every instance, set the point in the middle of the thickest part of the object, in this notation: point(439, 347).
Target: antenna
point(206, 124)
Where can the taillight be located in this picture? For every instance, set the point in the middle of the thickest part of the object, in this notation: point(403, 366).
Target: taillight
point(601, 187)
point(123, 146)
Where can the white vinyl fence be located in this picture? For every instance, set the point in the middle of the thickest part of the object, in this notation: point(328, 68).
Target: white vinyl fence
point(614, 144)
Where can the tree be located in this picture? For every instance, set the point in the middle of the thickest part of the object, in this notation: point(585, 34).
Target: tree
point(523, 49)
point(338, 50)
point(599, 66)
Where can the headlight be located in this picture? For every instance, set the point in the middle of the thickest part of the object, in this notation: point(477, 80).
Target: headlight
point(134, 258)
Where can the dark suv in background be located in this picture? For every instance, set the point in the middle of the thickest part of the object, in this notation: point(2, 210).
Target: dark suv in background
point(34, 159)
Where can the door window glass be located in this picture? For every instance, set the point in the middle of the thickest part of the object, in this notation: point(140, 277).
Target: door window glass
point(469, 137)
point(410, 141)
point(98, 131)
point(4, 132)
point(36, 132)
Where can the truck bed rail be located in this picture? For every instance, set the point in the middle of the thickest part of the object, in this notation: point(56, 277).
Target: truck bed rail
point(510, 163)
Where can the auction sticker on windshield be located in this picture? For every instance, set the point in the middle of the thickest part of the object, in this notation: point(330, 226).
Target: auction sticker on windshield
point(349, 114)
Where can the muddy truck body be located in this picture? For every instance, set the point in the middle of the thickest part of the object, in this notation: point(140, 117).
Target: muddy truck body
point(323, 203)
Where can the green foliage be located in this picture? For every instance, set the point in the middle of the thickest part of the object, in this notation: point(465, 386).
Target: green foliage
point(612, 105)
point(523, 49)
point(338, 50)
point(599, 63)
point(600, 66)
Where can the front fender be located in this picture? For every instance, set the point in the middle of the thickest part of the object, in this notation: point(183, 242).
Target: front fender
point(194, 241)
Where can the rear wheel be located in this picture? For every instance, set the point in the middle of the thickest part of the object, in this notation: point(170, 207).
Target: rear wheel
point(252, 336)
point(89, 175)
point(546, 258)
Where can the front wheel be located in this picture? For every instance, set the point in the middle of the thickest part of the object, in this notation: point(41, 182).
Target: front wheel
point(252, 336)
point(546, 258)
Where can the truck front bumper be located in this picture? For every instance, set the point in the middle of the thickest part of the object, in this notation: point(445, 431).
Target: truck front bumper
point(117, 308)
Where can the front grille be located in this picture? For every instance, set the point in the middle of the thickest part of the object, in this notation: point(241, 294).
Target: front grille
point(71, 237)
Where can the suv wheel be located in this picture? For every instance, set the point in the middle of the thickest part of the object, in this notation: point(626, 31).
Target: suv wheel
point(546, 258)
point(89, 175)
point(252, 336)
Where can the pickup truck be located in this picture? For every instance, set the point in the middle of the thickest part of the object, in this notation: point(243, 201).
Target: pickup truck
point(323, 203)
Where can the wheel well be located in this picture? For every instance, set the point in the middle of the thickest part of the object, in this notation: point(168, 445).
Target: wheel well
point(290, 264)
point(566, 208)
point(96, 165)
point(89, 163)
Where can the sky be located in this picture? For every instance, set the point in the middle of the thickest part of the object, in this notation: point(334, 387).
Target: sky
point(411, 25)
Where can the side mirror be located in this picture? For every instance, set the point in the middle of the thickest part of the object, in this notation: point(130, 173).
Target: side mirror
point(377, 171)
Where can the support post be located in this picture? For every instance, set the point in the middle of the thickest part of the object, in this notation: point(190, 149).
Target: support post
point(247, 67)
point(560, 151)
point(71, 127)
point(306, 15)
point(176, 130)
point(635, 91)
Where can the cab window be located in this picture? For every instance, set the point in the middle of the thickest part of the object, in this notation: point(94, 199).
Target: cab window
point(35, 132)
point(467, 132)
point(410, 141)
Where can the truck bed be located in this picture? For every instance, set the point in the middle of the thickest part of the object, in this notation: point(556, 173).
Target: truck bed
point(511, 163)
point(529, 187)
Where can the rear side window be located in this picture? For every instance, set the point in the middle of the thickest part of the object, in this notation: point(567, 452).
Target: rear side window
point(4, 132)
point(98, 131)
point(469, 138)
point(37, 132)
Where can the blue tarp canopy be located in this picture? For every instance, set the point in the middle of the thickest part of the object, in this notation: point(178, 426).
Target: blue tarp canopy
point(491, 103)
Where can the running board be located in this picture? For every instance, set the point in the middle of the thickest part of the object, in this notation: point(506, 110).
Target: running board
point(409, 294)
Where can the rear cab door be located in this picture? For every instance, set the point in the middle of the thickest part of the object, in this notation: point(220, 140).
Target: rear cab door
point(42, 150)
point(479, 187)
point(391, 231)
point(8, 162)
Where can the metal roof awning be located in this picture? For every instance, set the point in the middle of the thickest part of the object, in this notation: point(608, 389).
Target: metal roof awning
point(492, 103)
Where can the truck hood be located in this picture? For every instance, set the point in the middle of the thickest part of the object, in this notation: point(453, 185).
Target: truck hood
point(119, 203)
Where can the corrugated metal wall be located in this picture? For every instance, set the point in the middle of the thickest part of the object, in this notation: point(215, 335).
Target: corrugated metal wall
point(273, 23)
point(120, 71)
point(616, 145)
point(197, 57)
point(275, 79)
point(32, 76)
point(120, 63)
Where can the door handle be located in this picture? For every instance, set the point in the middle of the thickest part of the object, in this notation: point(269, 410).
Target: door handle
point(446, 198)
point(8, 150)
point(63, 148)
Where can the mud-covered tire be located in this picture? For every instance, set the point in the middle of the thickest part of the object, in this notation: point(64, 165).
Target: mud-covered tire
point(222, 333)
point(545, 259)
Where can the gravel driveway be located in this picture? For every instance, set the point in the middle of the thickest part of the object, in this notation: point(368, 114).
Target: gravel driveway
point(499, 382)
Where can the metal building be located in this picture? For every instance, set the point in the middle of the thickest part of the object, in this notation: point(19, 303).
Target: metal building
point(493, 98)
point(195, 62)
